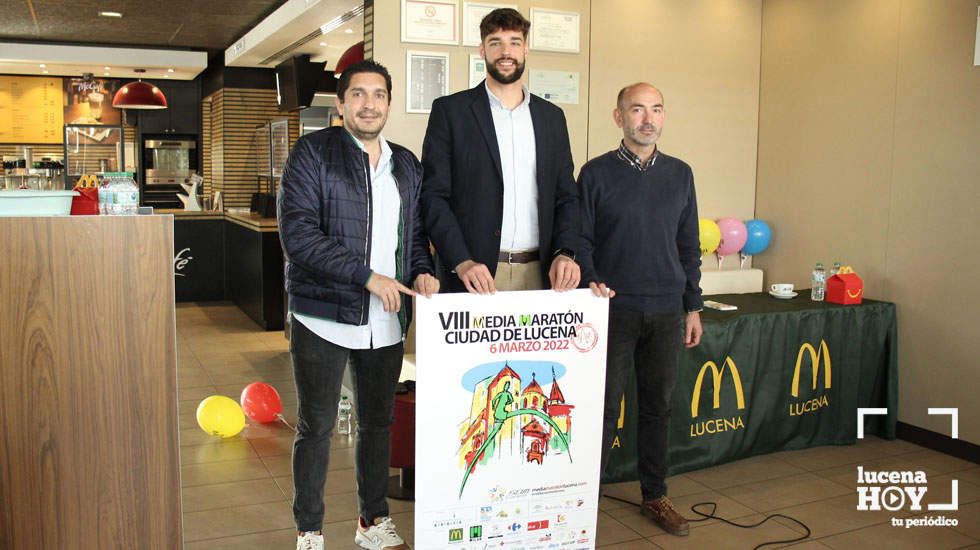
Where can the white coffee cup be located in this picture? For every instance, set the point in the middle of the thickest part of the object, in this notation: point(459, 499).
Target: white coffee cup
point(782, 288)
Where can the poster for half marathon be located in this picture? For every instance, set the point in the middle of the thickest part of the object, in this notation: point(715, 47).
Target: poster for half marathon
point(509, 419)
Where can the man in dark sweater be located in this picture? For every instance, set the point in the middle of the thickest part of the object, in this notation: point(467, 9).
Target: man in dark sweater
point(640, 233)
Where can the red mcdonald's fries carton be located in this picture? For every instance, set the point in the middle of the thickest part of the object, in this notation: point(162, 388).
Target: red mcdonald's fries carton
point(87, 200)
point(845, 287)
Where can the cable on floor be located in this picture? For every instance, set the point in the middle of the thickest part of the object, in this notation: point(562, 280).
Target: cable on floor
point(711, 515)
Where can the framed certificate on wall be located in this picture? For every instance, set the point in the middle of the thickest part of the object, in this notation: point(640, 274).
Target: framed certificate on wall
point(430, 22)
point(556, 86)
point(428, 79)
point(555, 31)
point(473, 13)
point(478, 70)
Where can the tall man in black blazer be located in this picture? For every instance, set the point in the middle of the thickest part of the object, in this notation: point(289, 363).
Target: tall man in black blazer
point(498, 196)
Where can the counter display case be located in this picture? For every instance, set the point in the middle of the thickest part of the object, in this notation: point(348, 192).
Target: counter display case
point(279, 149)
point(92, 149)
point(270, 150)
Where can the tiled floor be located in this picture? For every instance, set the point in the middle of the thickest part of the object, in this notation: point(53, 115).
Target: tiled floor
point(237, 492)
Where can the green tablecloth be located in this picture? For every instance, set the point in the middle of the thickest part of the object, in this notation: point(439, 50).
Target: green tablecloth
point(763, 402)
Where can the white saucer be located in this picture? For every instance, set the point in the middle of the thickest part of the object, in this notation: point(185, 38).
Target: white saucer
point(784, 296)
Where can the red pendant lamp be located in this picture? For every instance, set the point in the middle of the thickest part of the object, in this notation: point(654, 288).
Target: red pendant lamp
point(139, 95)
point(353, 55)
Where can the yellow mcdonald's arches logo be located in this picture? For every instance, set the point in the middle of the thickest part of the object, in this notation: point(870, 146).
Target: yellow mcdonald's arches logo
point(716, 375)
point(620, 423)
point(622, 414)
point(814, 366)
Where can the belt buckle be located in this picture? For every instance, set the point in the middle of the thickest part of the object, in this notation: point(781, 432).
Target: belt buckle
point(510, 257)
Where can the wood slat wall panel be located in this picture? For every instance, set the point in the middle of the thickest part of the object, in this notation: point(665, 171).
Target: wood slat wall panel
point(39, 151)
point(206, 147)
point(231, 116)
point(129, 138)
point(216, 152)
point(369, 29)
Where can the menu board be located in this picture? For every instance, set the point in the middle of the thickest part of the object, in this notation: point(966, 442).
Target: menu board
point(31, 109)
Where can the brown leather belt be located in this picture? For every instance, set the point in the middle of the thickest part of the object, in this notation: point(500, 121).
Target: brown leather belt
point(509, 257)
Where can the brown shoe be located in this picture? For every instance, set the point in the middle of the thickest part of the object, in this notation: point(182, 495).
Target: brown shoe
point(662, 512)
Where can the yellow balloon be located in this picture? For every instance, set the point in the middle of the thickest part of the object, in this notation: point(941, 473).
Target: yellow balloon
point(221, 416)
point(710, 235)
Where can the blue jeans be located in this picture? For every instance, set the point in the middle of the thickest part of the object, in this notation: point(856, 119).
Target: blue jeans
point(319, 366)
point(650, 344)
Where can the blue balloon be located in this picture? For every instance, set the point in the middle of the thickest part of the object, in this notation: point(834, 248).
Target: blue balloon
point(758, 239)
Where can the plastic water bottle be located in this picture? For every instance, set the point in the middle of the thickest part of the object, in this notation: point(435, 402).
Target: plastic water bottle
point(104, 196)
point(819, 283)
point(125, 194)
point(111, 185)
point(834, 270)
point(343, 416)
point(121, 194)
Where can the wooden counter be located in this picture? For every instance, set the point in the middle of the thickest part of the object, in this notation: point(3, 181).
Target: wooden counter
point(230, 255)
point(253, 221)
point(199, 255)
point(197, 215)
point(88, 402)
point(254, 268)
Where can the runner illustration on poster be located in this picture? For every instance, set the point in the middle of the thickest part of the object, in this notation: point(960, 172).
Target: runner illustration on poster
point(501, 403)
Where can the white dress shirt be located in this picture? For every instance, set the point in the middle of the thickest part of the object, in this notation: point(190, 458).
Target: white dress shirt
point(383, 329)
point(518, 165)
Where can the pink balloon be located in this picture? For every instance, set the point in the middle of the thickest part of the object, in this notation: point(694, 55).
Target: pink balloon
point(733, 236)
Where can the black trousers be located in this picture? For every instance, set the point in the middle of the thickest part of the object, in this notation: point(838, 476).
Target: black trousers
point(319, 366)
point(650, 345)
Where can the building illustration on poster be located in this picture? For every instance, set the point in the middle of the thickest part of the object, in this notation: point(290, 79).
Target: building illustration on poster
point(509, 409)
point(502, 414)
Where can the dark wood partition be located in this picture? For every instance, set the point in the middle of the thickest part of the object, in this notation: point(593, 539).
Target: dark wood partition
point(254, 268)
point(88, 410)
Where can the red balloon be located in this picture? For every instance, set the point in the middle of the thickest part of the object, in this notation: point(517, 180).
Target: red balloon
point(261, 402)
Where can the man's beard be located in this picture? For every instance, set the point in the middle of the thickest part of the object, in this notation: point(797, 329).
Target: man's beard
point(504, 79)
point(363, 133)
point(636, 136)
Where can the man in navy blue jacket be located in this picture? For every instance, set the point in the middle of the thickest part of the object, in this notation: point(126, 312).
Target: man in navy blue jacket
point(640, 233)
point(499, 198)
point(351, 230)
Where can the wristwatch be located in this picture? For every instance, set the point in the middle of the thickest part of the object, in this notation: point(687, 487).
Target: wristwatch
point(564, 252)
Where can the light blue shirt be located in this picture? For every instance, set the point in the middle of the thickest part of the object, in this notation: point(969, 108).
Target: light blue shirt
point(383, 329)
point(518, 165)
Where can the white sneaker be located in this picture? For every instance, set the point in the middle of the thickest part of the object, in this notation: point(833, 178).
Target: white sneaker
point(309, 541)
point(380, 536)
